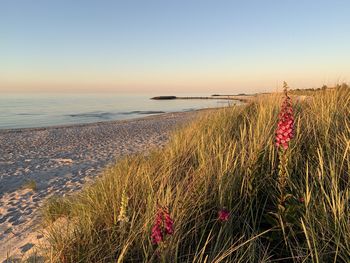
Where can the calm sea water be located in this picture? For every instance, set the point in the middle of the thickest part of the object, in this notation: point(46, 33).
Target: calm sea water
point(24, 111)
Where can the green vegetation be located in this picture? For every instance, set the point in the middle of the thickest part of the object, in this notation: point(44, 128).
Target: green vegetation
point(227, 159)
point(30, 184)
point(311, 91)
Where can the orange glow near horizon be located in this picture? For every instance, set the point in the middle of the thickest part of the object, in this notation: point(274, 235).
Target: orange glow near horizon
point(148, 82)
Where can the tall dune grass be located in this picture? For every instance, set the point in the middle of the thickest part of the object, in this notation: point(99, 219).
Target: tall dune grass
point(225, 159)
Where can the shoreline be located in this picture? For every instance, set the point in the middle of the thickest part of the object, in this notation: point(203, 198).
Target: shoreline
point(60, 160)
point(151, 116)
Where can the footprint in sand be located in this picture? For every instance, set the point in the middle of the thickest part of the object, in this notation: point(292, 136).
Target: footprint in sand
point(8, 231)
point(11, 209)
point(3, 219)
point(14, 219)
point(12, 260)
point(27, 212)
point(26, 247)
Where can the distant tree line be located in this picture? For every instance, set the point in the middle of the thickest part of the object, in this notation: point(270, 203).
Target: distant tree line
point(324, 87)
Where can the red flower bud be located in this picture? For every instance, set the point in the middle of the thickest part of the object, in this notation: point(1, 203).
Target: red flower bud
point(223, 215)
point(163, 225)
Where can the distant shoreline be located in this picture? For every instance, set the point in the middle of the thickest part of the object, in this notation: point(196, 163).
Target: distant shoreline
point(240, 97)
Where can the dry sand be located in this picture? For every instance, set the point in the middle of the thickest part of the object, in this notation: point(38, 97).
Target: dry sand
point(60, 160)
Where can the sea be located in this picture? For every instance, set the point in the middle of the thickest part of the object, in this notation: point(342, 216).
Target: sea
point(44, 110)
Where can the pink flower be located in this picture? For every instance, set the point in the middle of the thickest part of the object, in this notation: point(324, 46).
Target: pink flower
point(301, 200)
point(157, 235)
point(223, 215)
point(169, 223)
point(285, 126)
point(163, 225)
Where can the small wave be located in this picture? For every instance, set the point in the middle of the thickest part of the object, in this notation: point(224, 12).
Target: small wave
point(142, 112)
point(101, 115)
point(226, 102)
point(109, 115)
point(151, 112)
point(28, 114)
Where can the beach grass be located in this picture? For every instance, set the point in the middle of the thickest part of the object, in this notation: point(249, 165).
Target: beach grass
point(226, 159)
point(30, 184)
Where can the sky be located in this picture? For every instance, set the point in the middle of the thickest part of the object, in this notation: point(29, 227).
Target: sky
point(164, 46)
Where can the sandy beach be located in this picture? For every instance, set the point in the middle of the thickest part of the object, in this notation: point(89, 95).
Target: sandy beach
point(60, 160)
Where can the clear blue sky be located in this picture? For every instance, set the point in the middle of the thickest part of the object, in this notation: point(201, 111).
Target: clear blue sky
point(178, 45)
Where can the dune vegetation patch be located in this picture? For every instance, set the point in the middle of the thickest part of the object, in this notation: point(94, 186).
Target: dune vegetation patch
point(223, 191)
